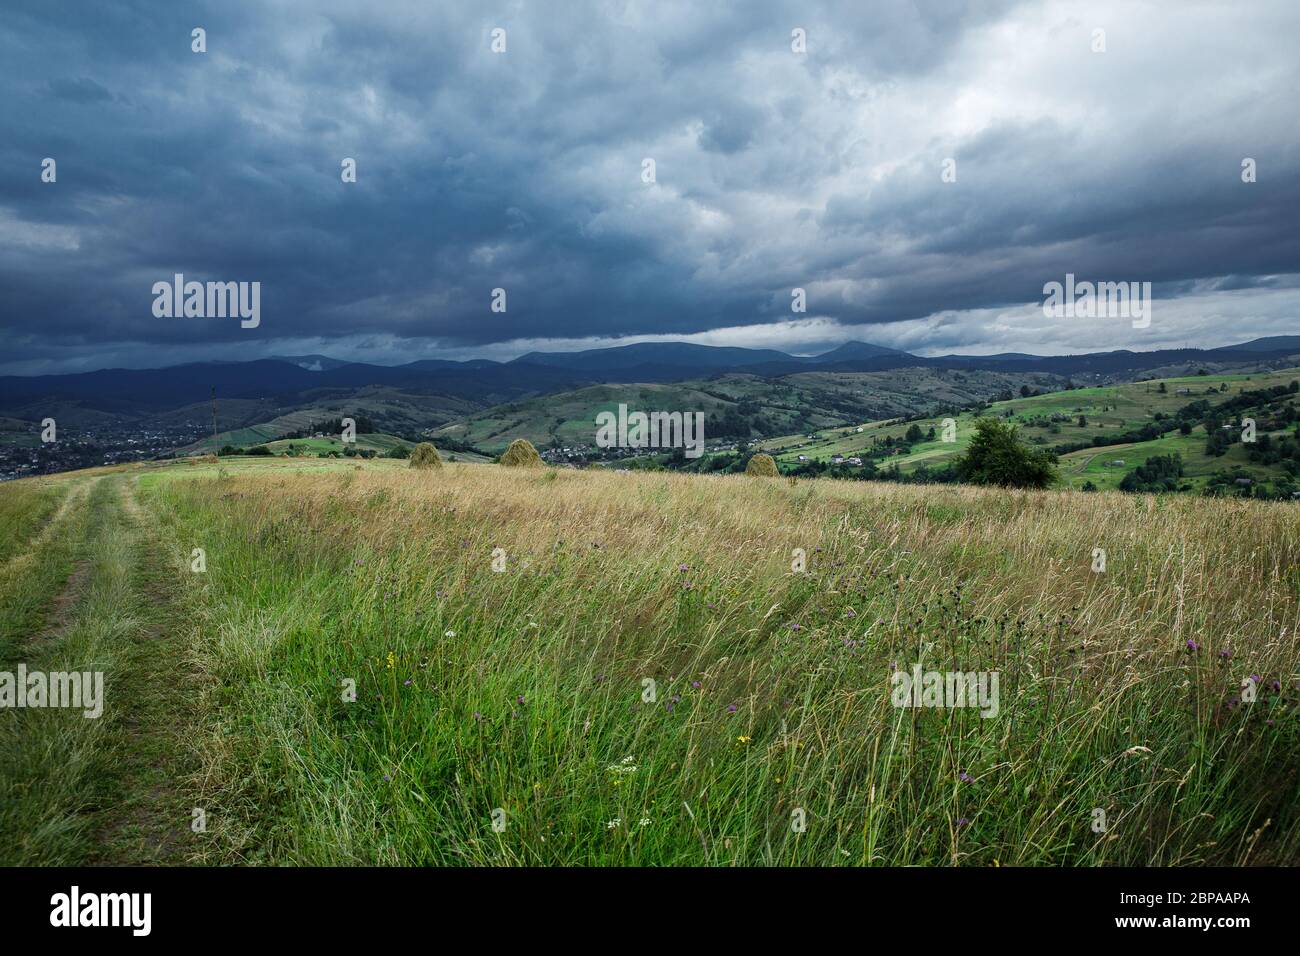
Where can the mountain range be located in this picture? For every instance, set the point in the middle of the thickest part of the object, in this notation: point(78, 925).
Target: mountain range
point(288, 392)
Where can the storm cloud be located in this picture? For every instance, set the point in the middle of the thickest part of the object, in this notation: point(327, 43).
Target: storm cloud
point(523, 170)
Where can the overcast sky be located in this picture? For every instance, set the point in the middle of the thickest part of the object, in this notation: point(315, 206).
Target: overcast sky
point(524, 170)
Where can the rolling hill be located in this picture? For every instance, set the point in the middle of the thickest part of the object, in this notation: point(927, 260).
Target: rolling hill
point(1089, 417)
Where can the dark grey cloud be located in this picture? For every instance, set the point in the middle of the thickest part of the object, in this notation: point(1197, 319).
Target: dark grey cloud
point(523, 170)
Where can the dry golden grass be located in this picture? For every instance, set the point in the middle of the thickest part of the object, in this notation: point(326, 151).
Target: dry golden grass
point(521, 453)
point(763, 465)
point(610, 578)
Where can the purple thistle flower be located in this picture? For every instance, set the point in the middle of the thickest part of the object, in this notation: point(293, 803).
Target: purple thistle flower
point(962, 822)
point(731, 708)
point(695, 684)
point(1193, 646)
point(966, 778)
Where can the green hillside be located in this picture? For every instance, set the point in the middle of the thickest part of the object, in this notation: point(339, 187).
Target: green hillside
point(741, 406)
point(1064, 420)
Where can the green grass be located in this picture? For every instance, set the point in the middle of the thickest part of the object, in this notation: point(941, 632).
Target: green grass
point(1109, 410)
point(376, 578)
point(524, 690)
point(77, 791)
point(24, 511)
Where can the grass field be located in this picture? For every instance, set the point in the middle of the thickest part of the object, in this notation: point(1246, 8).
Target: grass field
point(628, 669)
point(1107, 410)
point(771, 405)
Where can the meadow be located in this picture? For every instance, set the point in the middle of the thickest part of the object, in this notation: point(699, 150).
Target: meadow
point(1106, 411)
point(555, 667)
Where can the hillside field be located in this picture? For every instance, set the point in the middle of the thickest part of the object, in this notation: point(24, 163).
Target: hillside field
point(569, 667)
point(766, 405)
point(1108, 410)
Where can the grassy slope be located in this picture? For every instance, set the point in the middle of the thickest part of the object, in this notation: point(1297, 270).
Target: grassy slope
point(385, 578)
point(825, 397)
point(90, 595)
point(1108, 410)
point(524, 689)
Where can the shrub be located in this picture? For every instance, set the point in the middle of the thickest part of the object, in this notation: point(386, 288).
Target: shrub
point(762, 465)
point(424, 455)
point(522, 454)
point(997, 456)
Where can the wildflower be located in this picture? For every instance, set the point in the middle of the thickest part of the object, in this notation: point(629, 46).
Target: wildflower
point(613, 823)
point(794, 627)
point(731, 708)
point(645, 821)
point(683, 568)
point(743, 739)
point(696, 684)
point(1193, 646)
point(407, 682)
point(449, 634)
point(966, 778)
point(477, 715)
point(520, 698)
point(962, 822)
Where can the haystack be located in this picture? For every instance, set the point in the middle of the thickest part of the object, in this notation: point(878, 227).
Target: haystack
point(763, 466)
point(424, 455)
point(521, 453)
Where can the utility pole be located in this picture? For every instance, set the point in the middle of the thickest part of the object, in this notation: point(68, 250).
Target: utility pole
point(214, 413)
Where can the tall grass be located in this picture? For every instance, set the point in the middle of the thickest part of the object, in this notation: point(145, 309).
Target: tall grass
point(523, 690)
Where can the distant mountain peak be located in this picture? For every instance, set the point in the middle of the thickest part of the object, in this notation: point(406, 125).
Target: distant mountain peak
point(856, 350)
point(312, 363)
